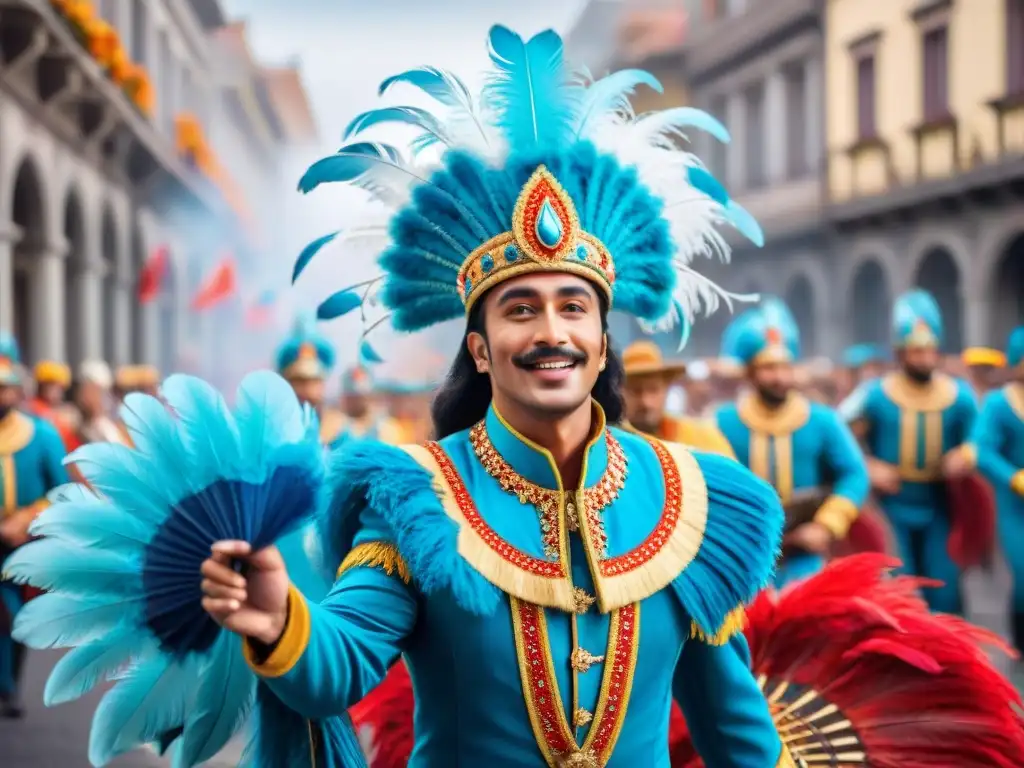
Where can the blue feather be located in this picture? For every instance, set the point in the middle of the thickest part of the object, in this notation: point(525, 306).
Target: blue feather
point(338, 305)
point(56, 566)
point(268, 415)
point(56, 620)
point(675, 120)
point(208, 432)
point(703, 181)
point(154, 432)
point(150, 699)
point(223, 702)
point(610, 95)
point(441, 85)
point(373, 167)
point(368, 354)
point(744, 223)
point(413, 116)
point(129, 478)
point(99, 525)
point(309, 252)
point(81, 668)
point(529, 90)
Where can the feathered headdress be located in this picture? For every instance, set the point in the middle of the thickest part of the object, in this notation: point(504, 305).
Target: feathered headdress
point(916, 320)
point(767, 333)
point(1015, 347)
point(857, 671)
point(548, 170)
point(305, 354)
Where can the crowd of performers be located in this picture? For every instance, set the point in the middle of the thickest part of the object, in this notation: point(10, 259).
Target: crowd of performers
point(773, 557)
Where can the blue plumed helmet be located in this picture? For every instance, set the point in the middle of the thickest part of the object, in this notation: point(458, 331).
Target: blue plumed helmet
point(357, 380)
point(767, 333)
point(547, 170)
point(305, 354)
point(1015, 347)
point(10, 360)
point(916, 320)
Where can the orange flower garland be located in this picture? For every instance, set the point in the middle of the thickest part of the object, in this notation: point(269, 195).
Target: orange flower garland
point(191, 144)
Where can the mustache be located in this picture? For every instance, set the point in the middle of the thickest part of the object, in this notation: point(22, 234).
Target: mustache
point(540, 354)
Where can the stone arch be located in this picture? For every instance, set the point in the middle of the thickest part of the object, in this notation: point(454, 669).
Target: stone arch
point(1007, 289)
point(109, 248)
point(939, 274)
point(799, 297)
point(870, 302)
point(30, 216)
point(75, 325)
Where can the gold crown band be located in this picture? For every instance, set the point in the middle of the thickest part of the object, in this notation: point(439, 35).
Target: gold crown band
point(545, 237)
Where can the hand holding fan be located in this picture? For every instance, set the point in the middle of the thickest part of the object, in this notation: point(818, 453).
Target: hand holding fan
point(121, 568)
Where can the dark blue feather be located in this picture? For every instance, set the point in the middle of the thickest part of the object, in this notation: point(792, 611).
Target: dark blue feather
point(363, 163)
point(703, 181)
point(338, 305)
point(309, 252)
point(414, 116)
point(529, 90)
point(441, 85)
point(368, 354)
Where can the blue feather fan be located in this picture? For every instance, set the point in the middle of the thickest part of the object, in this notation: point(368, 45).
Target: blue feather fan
point(122, 567)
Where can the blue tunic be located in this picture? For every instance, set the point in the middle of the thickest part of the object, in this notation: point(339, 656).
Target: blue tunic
point(31, 456)
point(913, 427)
point(797, 447)
point(538, 623)
point(998, 439)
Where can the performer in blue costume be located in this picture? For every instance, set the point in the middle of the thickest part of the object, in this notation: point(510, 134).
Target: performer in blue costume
point(361, 419)
point(999, 442)
point(802, 448)
point(31, 452)
point(305, 359)
point(915, 424)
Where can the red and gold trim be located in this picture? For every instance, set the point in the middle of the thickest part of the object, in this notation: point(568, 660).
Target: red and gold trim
point(555, 736)
point(539, 581)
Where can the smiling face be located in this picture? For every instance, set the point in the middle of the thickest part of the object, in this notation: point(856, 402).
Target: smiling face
point(545, 344)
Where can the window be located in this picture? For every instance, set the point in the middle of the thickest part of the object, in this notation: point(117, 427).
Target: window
point(754, 155)
point(935, 50)
point(866, 126)
point(796, 130)
point(1015, 47)
point(718, 156)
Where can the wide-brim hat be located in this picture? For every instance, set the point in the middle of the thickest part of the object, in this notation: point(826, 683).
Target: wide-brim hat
point(644, 358)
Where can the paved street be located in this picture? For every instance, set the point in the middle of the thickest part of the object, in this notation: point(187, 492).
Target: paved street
point(58, 738)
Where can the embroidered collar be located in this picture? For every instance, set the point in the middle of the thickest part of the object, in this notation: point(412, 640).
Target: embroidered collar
point(16, 430)
point(907, 394)
point(784, 420)
point(1015, 398)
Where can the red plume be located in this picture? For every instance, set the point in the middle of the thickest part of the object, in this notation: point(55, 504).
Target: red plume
point(857, 671)
point(383, 720)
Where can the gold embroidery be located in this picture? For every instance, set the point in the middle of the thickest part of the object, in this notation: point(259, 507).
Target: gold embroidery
point(734, 623)
point(784, 420)
point(547, 501)
point(921, 408)
point(771, 431)
point(582, 660)
point(376, 554)
point(581, 717)
point(16, 431)
point(551, 729)
point(10, 489)
point(582, 600)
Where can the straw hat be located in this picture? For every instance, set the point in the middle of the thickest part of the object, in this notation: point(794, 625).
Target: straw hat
point(643, 358)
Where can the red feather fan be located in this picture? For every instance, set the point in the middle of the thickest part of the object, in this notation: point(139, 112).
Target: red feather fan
point(870, 532)
point(972, 510)
point(857, 671)
point(383, 720)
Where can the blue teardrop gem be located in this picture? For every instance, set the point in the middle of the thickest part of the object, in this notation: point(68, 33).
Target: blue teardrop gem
point(511, 253)
point(548, 227)
point(581, 252)
point(486, 263)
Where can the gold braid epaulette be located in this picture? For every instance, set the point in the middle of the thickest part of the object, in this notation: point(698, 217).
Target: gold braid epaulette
point(734, 623)
point(376, 554)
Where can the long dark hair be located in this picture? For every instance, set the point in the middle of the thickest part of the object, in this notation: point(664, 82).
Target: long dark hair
point(465, 395)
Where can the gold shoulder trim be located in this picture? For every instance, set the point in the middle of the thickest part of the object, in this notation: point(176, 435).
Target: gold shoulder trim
point(376, 554)
point(1015, 398)
point(937, 395)
point(734, 623)
point(16, 431)
point(671, 546)
point(784, 420)
point(537, 581)
point(331, 424)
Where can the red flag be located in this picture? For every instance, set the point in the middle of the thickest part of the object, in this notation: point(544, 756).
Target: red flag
point(151, 277)
point(219, 285)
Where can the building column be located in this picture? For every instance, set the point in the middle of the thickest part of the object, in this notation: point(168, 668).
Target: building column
point(8, 238)
point(48, 303)
point(776, 144)
point(122, 310)
point(814, 114)
point(736, 122)
point(89, 284)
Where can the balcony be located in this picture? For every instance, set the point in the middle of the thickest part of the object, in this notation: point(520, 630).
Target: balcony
point(44, 66)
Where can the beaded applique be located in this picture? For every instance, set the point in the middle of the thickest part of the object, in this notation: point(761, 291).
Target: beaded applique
point(546, 501)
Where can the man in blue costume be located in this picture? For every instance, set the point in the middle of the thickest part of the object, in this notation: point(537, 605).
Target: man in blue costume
point(361, 418)
point(551, 580)
point(998, 439)
point(915, 423)
point(305, 359)
point(802, 448)
point(31, 452)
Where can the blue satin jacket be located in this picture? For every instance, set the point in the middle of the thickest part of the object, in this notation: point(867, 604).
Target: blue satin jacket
point(800, 445)
point(998, 438)
point(31, 462)
point(913, 427)
point(541, 626)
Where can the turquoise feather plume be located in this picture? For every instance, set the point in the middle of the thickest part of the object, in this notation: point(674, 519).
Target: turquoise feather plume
point(83, 667)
